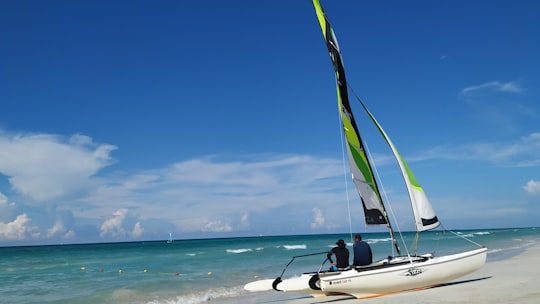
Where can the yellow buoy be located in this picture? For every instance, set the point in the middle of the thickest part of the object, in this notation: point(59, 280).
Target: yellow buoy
point(83, 268)
point(120, 271)
point(209, 273)
point(145, 270)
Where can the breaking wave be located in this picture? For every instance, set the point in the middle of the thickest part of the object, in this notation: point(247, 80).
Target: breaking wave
point(242, 250)
point(295, 247)
point(202, 296)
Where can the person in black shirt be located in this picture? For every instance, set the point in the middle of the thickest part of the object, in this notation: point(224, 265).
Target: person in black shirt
point(362, 252)
point(342, 255)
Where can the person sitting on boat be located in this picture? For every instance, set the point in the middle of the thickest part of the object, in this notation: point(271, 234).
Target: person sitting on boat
point(342, 255)
point(362, 252)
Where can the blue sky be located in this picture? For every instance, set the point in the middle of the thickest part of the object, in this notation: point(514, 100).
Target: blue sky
point(127, 120)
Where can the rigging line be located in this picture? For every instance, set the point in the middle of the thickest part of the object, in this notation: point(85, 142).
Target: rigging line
point(414, 244)
point(382, 186)
point(388, 204)
point(465, 238)
point(342, 134)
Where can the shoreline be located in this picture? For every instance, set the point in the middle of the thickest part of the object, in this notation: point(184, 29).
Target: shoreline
point(512, 280)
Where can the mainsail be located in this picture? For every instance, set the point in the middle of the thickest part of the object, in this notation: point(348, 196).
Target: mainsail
point(361, 170)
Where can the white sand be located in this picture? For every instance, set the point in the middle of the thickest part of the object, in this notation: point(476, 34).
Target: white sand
point(515, 280)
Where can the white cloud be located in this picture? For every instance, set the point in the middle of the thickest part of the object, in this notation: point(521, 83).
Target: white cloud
point(216, 226)
point(59, 229)
point(244, 221)
point(6, 208)
point(318, 219)
point(501, 105)
point(196, 193)
point(56, 229)
point(524, 152)
point(3, 201)
point(69, 235)
point(137, 230)
point(505, 212)
point(532, 187)
point(113, 226)
point(17, 229)
point(44, 167)
point(494, 86)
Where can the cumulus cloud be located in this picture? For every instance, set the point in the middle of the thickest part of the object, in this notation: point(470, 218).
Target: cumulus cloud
point(532, 187)
point(197, 195)
point(44, 167)
point(17, 229)
point(3, 201)
point(6, 207)
point(113, 225)
point(216, 226)
point(69, 235)
point(56, 229)
point(137, 230)
point(494, 86)
point(244, 221)
point(59, 229)
point(204, 194)
point(318, 219)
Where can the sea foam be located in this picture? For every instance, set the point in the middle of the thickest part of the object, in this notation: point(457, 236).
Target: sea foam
point(201, 296)
point(295, 247)
point(242, 250)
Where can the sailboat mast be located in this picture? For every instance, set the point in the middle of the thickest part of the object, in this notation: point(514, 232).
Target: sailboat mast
point(359, 163)
point(394, 239)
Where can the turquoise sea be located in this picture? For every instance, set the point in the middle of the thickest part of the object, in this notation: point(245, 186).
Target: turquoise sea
point(197, 271)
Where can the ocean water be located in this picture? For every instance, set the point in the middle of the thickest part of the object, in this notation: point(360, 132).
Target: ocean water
point(197, 271)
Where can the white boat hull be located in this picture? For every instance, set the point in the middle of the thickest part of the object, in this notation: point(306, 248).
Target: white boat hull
point(380, 279)
point(396, 278)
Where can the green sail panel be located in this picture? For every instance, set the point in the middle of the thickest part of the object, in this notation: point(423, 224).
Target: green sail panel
point(424, 215)
point(361, 170)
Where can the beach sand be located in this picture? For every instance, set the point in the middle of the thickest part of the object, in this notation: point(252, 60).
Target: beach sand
point(514, 280)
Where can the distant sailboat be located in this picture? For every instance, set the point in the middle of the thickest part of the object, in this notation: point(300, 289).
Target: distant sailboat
point(395, 273)
point(170, 240)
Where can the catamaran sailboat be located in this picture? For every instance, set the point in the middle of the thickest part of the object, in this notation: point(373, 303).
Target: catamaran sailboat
point(393, 274)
